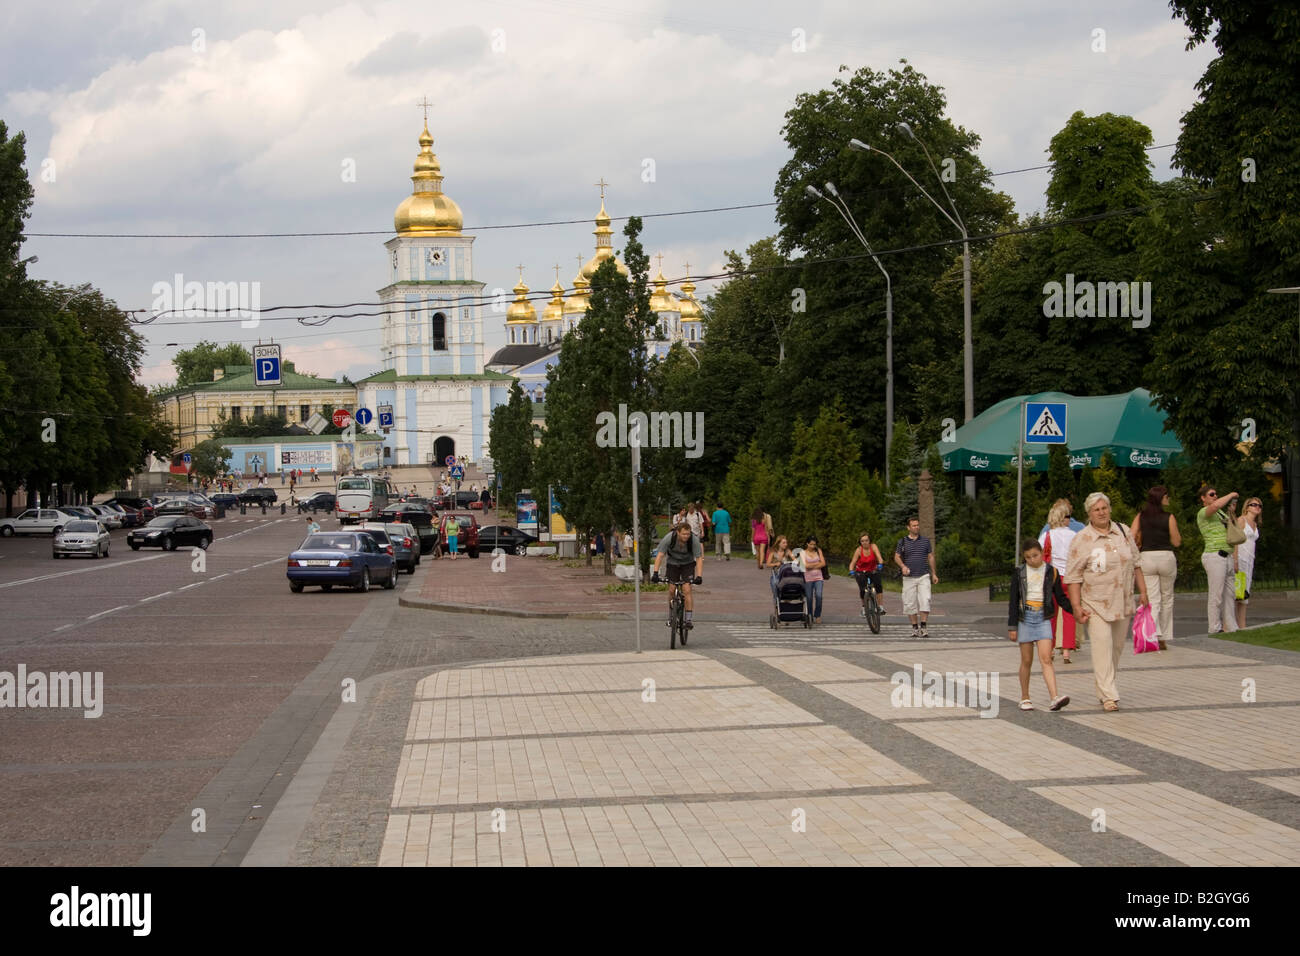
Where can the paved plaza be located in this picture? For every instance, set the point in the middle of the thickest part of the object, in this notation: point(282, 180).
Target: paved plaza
point(791, 747)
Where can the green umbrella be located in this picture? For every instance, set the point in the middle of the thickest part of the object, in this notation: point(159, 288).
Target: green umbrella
point(1127, 424)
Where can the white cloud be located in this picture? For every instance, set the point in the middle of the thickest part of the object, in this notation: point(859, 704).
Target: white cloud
point(251, 134)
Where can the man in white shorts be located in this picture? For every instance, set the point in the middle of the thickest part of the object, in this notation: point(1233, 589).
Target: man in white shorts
point(915, 558)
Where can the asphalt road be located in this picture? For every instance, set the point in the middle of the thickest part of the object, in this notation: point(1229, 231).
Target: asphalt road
point(216, 683)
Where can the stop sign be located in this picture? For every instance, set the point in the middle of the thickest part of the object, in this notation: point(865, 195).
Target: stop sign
point(341, 417)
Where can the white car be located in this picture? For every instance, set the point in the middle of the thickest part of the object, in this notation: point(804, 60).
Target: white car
point(109, 518)
point(82, 537)
point(35, 521)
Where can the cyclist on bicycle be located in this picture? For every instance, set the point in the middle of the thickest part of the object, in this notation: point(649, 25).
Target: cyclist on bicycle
point(865, 566)
point(682, 552)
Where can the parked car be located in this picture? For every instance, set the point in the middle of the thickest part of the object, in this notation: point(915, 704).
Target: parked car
point(130, 516)
point(328, 558)
point(35, 521)
point(462, 500)
point(182, 506)
point(78, 511)
point(401, 538)
point(226, 500)
point(416, 516)
point(426, 503)
point(508, 539)
point(467, 539)
point(110, 518)
point(170, 532)
point(82, 537)
point(255, 496)
point(320, 501)
point(143, 505)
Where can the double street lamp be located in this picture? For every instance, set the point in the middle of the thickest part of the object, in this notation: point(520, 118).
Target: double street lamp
point(968, 366)
point(1294, 477)
point(842, 208)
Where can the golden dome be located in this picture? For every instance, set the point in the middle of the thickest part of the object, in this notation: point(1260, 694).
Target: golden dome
point(555, 308)
point(661, 300)
point(521, 310)
point(581, 298)
point(427, 211)
point(690, 308)
point(604, 246)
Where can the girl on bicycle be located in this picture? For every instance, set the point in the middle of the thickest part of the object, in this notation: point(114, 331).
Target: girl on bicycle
point(865, 566)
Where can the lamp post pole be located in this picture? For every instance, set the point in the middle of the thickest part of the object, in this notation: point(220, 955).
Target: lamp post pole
point(843, 209)
point(968, 360)
point(1294, 476)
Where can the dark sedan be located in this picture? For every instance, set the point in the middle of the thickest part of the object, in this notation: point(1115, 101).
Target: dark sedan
point(182, 506)
point(170, 533)
point(416, 515)
point(510, 540)
point(351, 558)
point(321, 501)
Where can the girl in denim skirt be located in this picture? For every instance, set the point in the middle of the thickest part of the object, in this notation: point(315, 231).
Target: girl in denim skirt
point(1036, 593)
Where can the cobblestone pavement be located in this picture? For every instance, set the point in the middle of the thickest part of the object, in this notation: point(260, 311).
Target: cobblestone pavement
point(755, 747)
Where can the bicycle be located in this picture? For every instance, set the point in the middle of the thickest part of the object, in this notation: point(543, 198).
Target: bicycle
point(676, 615)
point(870, 605)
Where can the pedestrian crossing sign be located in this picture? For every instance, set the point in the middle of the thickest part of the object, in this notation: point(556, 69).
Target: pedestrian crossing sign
point(1045, 423)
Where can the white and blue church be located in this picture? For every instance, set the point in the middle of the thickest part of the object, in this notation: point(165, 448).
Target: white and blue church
point(435, 378)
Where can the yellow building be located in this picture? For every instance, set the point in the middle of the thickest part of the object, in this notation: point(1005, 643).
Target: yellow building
point(195, 410)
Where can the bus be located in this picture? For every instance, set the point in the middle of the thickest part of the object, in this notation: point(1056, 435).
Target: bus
point(361, 498)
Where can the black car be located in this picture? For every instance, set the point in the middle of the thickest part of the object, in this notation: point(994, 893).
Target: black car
point(510, 540)
point(416, 515)
point(321, 501)
point(256, 496)
point(170, 533)
point(226, 499)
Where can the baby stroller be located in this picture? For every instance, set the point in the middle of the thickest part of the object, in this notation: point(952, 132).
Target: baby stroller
point(788, 599)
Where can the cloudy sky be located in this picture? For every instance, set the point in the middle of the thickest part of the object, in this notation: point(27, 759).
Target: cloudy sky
point(163, 117)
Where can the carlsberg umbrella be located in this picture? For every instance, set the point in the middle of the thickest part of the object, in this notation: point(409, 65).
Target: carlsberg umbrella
point(1127, 424)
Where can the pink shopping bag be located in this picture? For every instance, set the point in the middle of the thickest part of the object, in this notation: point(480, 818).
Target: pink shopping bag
point(1144, 631)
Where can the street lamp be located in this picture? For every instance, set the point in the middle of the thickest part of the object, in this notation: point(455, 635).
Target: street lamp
point(1295, 454)
point(968, 361)
point(843, 209)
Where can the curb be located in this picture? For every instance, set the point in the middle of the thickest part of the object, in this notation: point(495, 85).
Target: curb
point(423, 605)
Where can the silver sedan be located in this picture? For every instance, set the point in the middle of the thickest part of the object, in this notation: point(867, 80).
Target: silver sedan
point(109, 518)
point(82, 537)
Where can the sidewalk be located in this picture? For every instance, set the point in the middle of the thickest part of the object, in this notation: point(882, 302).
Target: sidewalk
point(756, 747)
point(733, 590)
point(790, 756)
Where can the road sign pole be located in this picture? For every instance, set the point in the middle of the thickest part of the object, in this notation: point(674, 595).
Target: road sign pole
point(1020, 481)
point(636, 556)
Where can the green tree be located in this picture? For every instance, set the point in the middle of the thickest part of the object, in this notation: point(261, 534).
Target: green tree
point(510, 442)
point(1227, 234)
point(208, 459)
point(838, 346)
point(601, 365)
point(195, 365)
point(752, 483)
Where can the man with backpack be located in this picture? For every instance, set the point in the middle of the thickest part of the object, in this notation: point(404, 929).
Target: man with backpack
point(681, 550)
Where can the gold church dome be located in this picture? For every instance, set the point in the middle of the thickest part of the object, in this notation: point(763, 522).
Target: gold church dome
point(604, 246)
point(555, 308)
point(661, 300)
point(581, 298)
point(690, 308)
point(427, 211)
point(521, 310)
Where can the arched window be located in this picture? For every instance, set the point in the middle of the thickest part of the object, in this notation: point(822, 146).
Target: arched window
point(439, 332)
